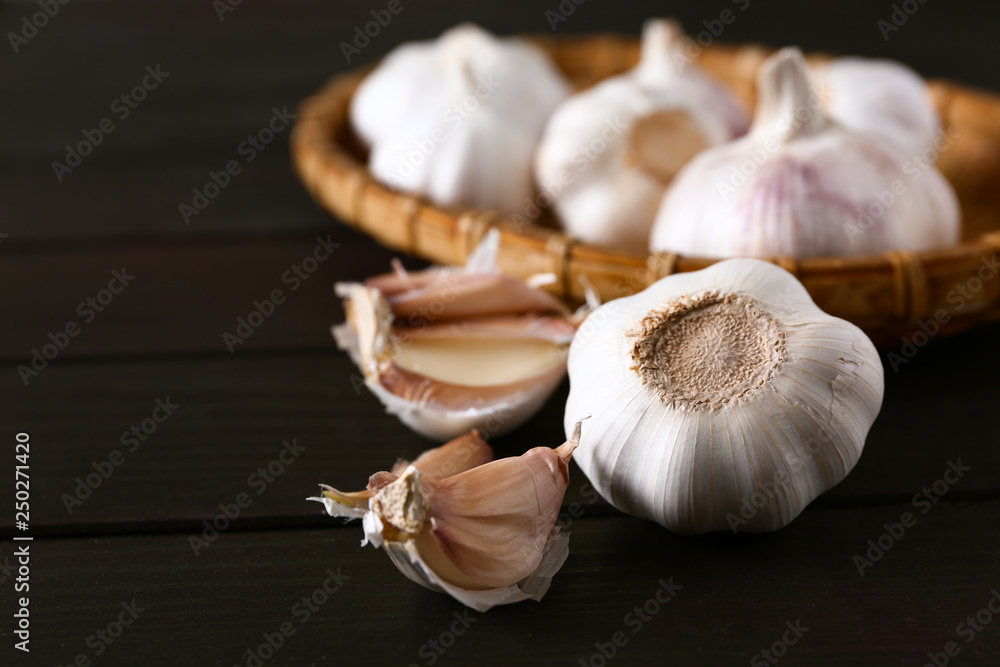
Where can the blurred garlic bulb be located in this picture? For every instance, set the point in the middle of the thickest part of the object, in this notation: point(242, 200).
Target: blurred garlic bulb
point(450, 350)
point(608, 152)
point(801, 184)
point(881, 98)
point(720, 399)
point(457, 522)
point(444, 118)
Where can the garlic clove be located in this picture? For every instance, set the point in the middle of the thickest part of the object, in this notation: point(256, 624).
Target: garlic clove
point(722, 399)
point(481, 361)
point(527, 327)
point(801, 184)
point(451, 350)
point(493, 522)
point(448, 379)
point(443, 117)
point(444, 293)
point(463, 453)
point(486, 535)
point(609, 151)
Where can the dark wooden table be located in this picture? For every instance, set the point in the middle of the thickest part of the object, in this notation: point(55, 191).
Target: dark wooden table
point(145, 426)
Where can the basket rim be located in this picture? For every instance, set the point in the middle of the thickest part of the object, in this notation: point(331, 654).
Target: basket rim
point(318, 150)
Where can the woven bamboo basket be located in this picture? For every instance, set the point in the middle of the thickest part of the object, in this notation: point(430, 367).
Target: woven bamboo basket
point(896, 297)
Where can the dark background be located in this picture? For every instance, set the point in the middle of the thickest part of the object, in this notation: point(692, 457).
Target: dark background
point(162, 337)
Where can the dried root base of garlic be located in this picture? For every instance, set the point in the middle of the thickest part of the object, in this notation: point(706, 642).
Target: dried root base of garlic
point(457, 522)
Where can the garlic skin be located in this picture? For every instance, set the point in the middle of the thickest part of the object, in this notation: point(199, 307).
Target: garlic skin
point(881, 98)
point(801, 184)
point(485, 533)
point(646, 124)
point(712, 389)
point(451, 350)
point(444, 117)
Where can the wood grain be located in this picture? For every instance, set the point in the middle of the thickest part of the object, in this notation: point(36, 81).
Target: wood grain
point(162, 337)
point(736, 596)
point(185, 294)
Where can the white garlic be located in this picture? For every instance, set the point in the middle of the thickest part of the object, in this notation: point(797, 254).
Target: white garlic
point(881, 98)
point(717, 391)
point(444, 118)
point(451, 350)
point(802, 184)
point(457, 522)
point(608, 152)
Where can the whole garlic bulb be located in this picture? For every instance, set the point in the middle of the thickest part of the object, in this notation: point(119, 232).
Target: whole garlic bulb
point(447, 118)
point(609, 151)
point(711, 390)
point(882, 98)
point(802, 184)
point(458, 522)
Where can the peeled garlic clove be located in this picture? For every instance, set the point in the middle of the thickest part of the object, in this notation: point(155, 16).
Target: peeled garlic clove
point(802, 185)
point(881, 98)
point(722, 399)
point(486, 536)
point(444, 117)
point(609, 151)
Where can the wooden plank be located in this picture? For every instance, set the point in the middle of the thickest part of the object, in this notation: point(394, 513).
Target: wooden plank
point(162, 338)
point(224, 75)
point(265, 197)
point(236, 411)
point(735, 598)
point(184, 296)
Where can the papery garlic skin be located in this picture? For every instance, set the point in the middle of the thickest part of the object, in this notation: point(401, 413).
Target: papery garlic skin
point(801, 184)
point(711, 390)
point(485, 535)
point(450, 350)
point(620, 142)
point(443, 118)
point(881, 98)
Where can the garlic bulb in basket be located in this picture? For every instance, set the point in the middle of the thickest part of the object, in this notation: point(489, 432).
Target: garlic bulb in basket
point(711, 390)
point(450, 350)
point(881, 98)
point(609, 151)
point(457, 119)
point(457, 522)
point(801, 184)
